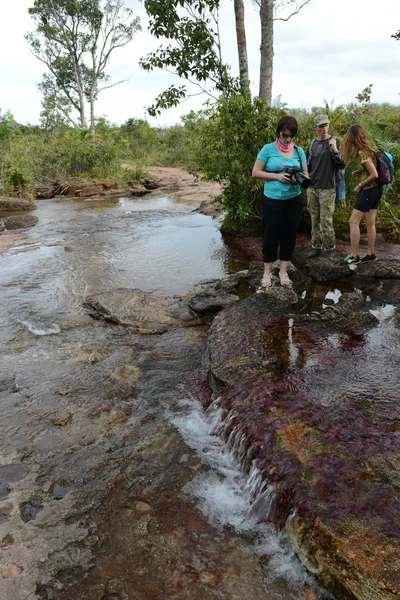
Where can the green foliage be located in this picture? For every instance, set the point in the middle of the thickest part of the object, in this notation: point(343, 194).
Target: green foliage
point(142, 140)
point(8, 127)
point(16, 181)
point(227, 140)
point(195, 52)
point(158, 145)
point(69, 153)
point(364, 97)
point(175, 146)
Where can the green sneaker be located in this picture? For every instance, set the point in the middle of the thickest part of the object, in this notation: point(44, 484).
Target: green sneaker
point(350, 260)
point(368, 258)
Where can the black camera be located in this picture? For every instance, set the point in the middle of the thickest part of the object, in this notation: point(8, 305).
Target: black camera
point(299, 176)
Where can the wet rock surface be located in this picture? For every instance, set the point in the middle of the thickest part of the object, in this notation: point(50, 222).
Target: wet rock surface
point(19, 221)
point(186, 186)
point(140, 311)
point(328, 456)
point(16, 204)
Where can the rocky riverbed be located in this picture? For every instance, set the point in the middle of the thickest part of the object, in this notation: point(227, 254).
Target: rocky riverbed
point(169, 433)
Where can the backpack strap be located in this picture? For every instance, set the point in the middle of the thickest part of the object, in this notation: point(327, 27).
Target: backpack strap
point(298, 155)
point(310, 146)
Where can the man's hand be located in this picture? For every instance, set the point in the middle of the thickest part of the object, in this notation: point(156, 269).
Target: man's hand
point(333, 145)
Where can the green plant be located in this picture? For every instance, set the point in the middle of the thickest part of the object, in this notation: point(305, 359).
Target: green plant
point(16, 181)
point(227, 140)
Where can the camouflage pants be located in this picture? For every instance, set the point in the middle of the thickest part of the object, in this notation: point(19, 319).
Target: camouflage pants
point(321, 206)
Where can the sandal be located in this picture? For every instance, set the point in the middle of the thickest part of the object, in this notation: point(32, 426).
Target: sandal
point(284, 279)
point(266, 281)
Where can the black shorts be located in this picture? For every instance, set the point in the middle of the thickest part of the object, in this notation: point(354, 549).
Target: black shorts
point(369, 199)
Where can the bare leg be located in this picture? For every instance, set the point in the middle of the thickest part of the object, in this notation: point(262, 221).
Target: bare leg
point(283, 276)
point(354, 223)
point(370, 218)
point(267, 268)
point(283, 266)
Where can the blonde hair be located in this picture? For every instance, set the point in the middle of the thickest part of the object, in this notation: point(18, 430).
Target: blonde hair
point(353, 142)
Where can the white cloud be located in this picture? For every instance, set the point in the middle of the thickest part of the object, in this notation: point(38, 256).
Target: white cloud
point(331, 50)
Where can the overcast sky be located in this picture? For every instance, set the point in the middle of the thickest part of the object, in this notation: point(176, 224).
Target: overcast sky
point(330, 51)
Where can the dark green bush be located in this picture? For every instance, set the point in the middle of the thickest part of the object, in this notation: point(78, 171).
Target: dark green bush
point(227, 140)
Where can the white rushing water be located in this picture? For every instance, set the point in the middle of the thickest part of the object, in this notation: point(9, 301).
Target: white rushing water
point(228, 498)
point(53, 329)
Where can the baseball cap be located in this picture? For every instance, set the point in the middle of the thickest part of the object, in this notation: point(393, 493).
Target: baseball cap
point(321, 119)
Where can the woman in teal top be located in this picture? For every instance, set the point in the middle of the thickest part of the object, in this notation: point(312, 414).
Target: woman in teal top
point(282, 202)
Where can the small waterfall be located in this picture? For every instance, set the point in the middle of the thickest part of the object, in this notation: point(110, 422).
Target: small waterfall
point(255, 484)
point(263, 506)
point(234, 492)
point(231, 494)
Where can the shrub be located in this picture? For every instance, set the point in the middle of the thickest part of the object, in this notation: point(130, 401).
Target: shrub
point(227, 139)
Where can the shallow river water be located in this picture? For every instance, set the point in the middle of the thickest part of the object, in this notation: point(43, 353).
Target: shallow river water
point(112, 484)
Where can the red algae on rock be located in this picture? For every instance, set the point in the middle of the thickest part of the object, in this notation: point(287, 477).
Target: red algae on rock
point(327, 455)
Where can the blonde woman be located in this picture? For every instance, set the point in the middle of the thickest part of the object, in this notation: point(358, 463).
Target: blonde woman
point(357, 146)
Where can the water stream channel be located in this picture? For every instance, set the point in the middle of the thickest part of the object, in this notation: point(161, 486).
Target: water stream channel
point(114, 482)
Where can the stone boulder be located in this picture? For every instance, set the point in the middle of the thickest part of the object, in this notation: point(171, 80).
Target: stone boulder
point(212, 296)
point(19, 221)
point(210, 207)
point(151, 184)
point(321, 269)
point(140, 311)
point(385, 291)
point(349, 315)
point(16, 204)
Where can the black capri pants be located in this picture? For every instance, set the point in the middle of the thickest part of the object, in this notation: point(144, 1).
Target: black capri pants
point(280, 219)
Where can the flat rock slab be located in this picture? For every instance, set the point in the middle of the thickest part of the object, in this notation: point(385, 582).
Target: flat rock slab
point(297, 394)
point(141, 311)
point(323, 269)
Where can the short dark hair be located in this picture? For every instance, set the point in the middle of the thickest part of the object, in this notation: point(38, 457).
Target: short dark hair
point(287, 122)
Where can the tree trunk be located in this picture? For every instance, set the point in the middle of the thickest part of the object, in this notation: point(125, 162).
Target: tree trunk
point(241, 45)
point(266, 49)
point(79, 84)
point(93, 93)
point(92, 113)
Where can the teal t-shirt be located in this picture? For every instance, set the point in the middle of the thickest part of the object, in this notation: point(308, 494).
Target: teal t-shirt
point(275, 162)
